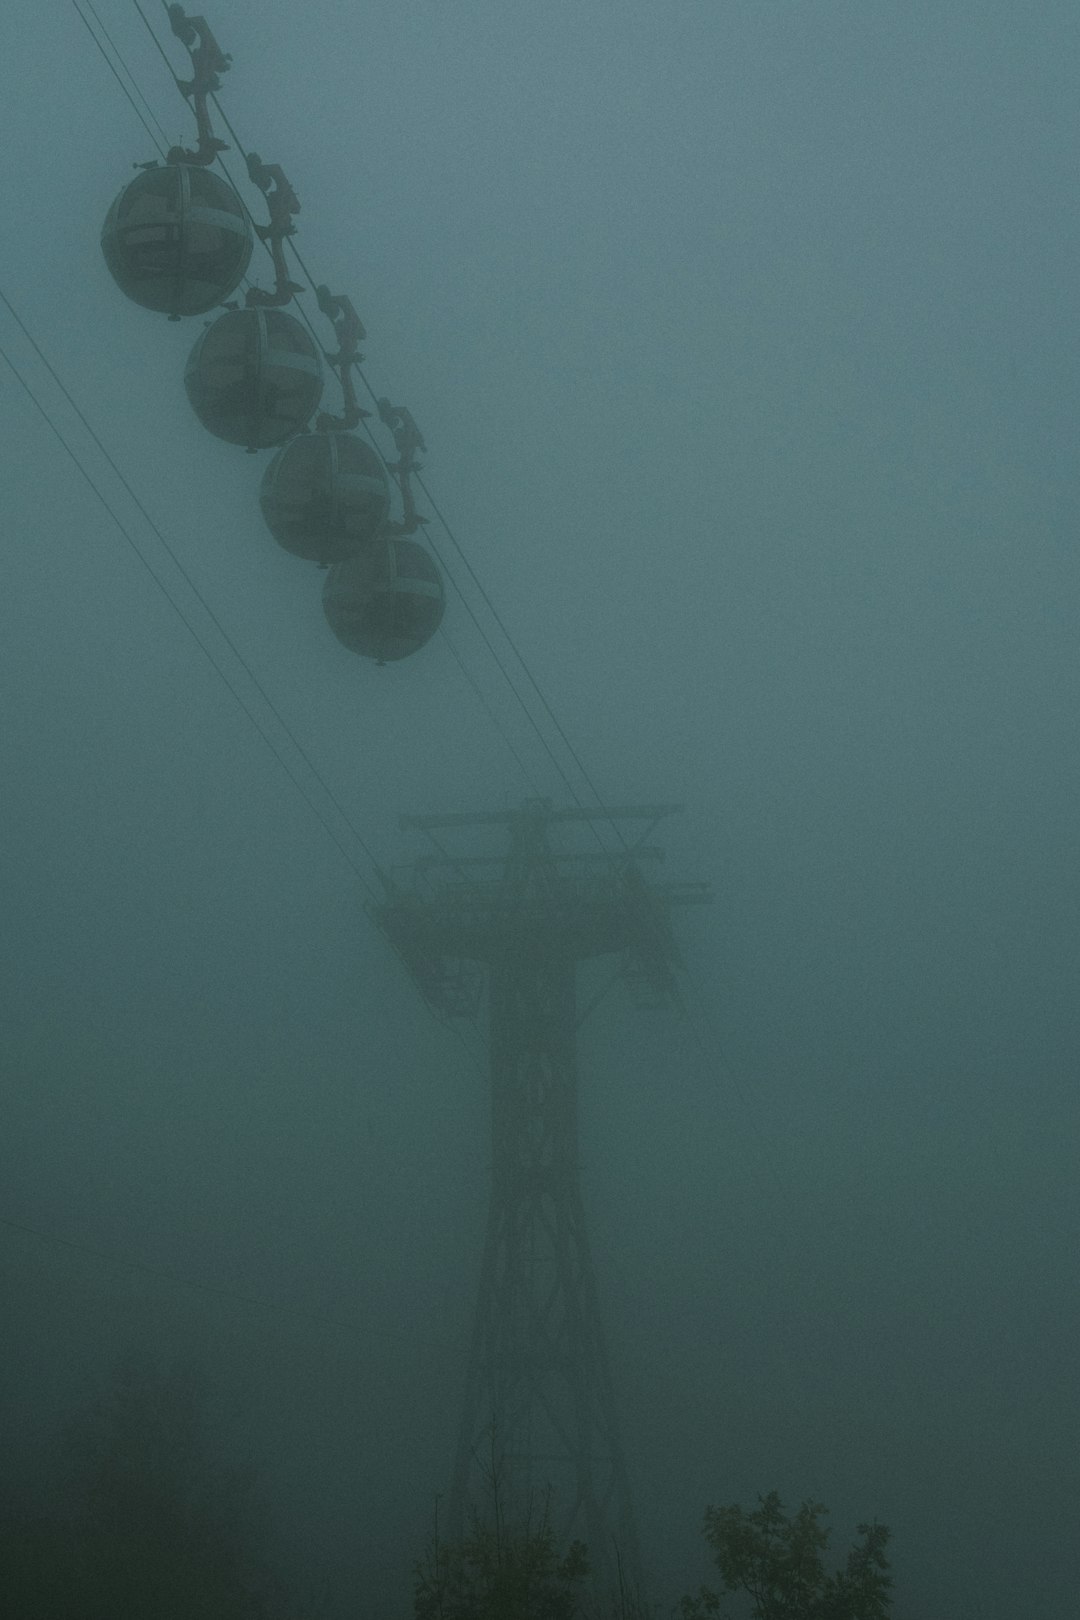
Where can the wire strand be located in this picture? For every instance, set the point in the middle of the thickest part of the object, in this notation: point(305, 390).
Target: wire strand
point(490, 712)
point(533, 682)
point(488, 643)
point(200, 597)
point(113, 70)
point(179, 611)
point(131, 77)
point(161, 49)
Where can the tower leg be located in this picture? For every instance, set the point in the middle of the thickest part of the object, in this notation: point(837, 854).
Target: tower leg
point(539, 1408)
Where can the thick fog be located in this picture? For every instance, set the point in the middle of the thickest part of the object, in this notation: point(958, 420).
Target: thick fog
point(743, 338)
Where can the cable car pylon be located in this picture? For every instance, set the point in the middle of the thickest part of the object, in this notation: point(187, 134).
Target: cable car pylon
point(539, 1410)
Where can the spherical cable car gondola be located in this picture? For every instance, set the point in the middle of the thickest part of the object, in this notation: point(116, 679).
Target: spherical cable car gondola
point(254, 377)
point(324, 496)
point(177, 240)
point(385, 602)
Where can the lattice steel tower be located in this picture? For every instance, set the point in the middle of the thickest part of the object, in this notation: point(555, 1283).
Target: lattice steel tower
point(539, 1388)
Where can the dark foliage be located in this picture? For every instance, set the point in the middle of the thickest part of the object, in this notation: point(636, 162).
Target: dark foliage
point(778, 1562)
point(142, 1520)
point(495, 1573)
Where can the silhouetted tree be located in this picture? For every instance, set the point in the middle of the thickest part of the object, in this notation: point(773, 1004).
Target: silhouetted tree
point(501, 1573)
point(147, 1521)
point(778, 1562)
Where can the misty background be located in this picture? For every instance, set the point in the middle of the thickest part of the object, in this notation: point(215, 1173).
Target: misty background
point(744, 341)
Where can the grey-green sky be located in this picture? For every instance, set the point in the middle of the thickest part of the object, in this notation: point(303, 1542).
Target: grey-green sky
point(744, 340)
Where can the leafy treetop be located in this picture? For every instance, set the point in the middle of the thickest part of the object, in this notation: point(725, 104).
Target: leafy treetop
point(777, 1561)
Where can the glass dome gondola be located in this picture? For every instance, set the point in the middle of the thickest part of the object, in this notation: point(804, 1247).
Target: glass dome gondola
point(254, 377)
point(177, 240)
point(325, 496)
point(387, 601)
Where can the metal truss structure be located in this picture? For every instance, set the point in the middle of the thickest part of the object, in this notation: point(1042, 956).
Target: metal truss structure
point(540, 1413)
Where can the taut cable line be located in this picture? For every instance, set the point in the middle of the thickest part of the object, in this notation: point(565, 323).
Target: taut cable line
point(176, 606)
point(198, 594)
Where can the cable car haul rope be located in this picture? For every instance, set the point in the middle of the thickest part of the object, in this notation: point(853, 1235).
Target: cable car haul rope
point(178, 240)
